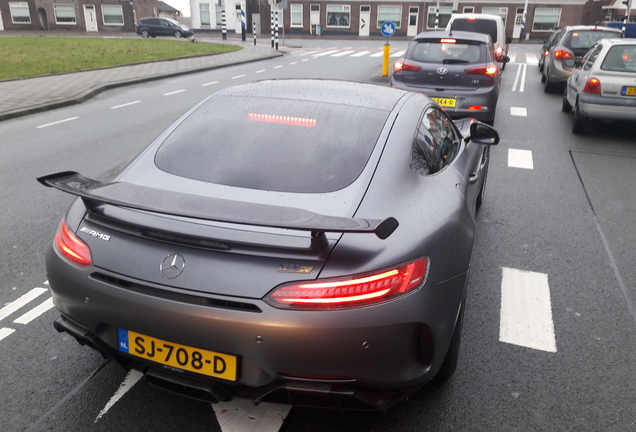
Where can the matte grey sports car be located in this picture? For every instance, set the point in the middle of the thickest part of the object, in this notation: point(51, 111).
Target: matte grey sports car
point(293, 238)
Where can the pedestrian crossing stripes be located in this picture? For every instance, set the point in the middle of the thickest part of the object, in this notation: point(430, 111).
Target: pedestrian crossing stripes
point(520, 58)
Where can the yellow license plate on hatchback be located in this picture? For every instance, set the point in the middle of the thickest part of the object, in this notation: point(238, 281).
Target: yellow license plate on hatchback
point(445, 102)
point(629, 91)
point(197, 360)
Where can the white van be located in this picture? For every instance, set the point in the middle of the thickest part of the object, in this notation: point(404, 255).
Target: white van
point(492, 25)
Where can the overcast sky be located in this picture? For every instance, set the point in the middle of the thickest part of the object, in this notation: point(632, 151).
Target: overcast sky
point(181, 5)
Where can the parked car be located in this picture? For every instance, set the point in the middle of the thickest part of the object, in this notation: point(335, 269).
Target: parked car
point(545, 48)
point(603, 84)
point(630, 27)
point(492, 25)
point(457, 70)
point(572, 43)
point(153, 27)
point(281, 238)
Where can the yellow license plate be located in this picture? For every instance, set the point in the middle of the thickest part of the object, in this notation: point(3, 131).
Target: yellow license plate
point(629, 91)
point(197, 360)
point(445, 102)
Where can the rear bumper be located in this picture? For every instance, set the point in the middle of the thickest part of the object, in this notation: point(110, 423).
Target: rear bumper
point(384, 349)
point(599, 107)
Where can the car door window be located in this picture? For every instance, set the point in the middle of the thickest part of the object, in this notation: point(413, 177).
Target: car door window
point(436, 143)
point(590, 58)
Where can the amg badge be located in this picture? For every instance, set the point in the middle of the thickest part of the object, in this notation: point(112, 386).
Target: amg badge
point(294, 268)
point(95, 234)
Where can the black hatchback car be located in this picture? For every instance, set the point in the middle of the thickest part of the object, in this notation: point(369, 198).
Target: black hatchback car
point(153, 27)
point(456, 69)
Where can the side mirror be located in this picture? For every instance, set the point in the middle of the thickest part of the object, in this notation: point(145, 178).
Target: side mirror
point(481, 133)
point(504, 59)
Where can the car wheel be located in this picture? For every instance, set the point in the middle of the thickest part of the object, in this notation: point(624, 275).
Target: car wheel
point(449, 365)
point(541, 67)
point(580, 121)
point(178, 34)
point(145, 34)
point(565, 105)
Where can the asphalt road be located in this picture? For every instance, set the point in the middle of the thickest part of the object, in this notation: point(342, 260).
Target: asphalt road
point(559, 209)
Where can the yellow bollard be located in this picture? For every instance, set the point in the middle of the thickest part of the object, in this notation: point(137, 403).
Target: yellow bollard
point(385, 64)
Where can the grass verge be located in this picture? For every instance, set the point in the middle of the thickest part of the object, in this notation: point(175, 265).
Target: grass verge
point(30, 56)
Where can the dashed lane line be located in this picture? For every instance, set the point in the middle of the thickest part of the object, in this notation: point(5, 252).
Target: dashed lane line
point(57, 122)
point(20, 302)
point(518, 111)
point(209, 83)
point(4, 332)
point(520, 159)
point(238, 76)
point(35, 312)
point(125, 105)
point(174, 92)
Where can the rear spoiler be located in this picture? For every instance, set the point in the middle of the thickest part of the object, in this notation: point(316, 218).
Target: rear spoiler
point(212, 209)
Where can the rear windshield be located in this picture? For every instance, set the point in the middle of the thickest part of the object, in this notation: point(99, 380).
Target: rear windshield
point(485, 26)
point(584, 39)
point(620, 58)
point(273, 144)
point(448, 53)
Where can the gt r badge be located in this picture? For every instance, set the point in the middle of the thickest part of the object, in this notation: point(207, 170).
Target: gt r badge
point(172, 266)
point(95, 234)
point(294, 268)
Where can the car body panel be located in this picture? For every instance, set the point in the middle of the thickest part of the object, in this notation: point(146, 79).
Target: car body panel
point(161, 26)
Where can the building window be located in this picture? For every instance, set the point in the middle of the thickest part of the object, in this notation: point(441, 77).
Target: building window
point(204, 14)
point(469, 9)
point(218, 9)
point(546, 19)
point(113, 15)
point(338, 15)
point(390, 13)
point(444, 17)
point(20, 13)
point(296, 12)
point(502, 12)
point(64, 14)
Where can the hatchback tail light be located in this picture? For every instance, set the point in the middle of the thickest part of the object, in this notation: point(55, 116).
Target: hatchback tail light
point(490, 70)
point(402, 65)
point(562, 55)
point(593, 85)
point(71, 247)
point(351, 291)
point(498, 52)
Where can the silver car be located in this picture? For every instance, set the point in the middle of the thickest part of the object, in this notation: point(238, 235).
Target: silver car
point(572, 44)
point(603, 84)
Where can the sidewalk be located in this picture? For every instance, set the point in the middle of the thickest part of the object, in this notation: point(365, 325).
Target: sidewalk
point(30, 95)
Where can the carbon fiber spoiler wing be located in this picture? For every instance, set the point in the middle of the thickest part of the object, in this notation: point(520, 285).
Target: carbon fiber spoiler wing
point(212, 209)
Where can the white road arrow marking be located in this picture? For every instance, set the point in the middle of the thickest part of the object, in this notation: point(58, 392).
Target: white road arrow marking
point(241, 415)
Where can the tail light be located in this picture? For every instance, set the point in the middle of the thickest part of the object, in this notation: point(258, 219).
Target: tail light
point(562, 55)
point(402, 65)
point(71, 247)
point(476, 108)
point(593, 85)
point(490, 70)
point(545, 53)
point(351, 291)
point(498, 52)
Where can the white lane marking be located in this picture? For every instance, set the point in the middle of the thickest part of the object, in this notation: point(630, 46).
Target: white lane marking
point(18, 303)
point(174, 92)
point(131, 379)
point(238, 76)
point(342, 53)
point(512, 58)
point(398, 54)
point(261, 71)
point(522, 84)
point(210, 83)
point(526, 311)
point(360, 54)
point(533, 61)
point(4, 332)
point(35, 312)
point(241, 415)
point(514, 83)
point(518, 111)
point(125, 105)
point(520, 159)
point(378, 54)
point(57, 122)
point(306, 60)
point(293, 63)
point(278, 67)
point(324, 53)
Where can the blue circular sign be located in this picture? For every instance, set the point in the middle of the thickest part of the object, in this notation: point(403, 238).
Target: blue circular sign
point(388, 28)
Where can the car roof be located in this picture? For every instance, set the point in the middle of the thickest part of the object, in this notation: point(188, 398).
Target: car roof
point(621, 41)
point(590, 27)
point(322, 90)
point(478, 37)
point(476, 16)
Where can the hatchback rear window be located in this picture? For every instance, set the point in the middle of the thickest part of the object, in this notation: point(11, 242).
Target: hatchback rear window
point(273, 144)
point(620, 58)
point(448, 53)
point(584, 39)
point(476, 25)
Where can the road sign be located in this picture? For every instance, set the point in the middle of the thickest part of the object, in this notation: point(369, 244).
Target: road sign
point(388, 28)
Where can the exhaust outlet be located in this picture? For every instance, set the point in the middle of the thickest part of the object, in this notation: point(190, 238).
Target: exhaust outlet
point(184, 386)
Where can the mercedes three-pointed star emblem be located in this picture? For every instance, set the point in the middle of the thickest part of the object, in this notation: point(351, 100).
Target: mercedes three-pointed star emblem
point(172, 266)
